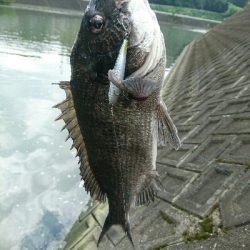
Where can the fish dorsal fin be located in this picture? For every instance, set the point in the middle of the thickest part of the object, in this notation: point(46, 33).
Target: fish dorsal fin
point(68, 115)
point(167, 132)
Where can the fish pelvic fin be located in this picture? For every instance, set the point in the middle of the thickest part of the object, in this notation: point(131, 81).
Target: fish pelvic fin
point(109, 222)
point(167, 132)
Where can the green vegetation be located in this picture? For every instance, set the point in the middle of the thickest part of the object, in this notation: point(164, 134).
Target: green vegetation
point(232, 9)
point(220, 6)
point(167, 218)
point(207, 225)
point(159, 247)
point(7, 1)
point(188, 12)
point(247, 164)
point(206, 231)
point(214, 10)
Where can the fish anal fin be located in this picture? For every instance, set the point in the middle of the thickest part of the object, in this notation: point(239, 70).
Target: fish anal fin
point(167, 132)
point(149, 190)
point(68, 115)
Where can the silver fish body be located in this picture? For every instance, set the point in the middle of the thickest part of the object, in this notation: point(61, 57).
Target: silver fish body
point(117, 146)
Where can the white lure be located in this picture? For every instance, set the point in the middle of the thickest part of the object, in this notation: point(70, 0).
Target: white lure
point(119, 70)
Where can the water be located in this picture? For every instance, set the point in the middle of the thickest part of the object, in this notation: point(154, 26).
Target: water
point(40, 190)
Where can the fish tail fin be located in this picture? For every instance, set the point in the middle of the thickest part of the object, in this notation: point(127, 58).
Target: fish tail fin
point(126, 228)
point(107, 225)
point(109, 222)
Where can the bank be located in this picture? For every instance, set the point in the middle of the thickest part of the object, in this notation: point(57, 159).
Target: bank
point(76, 8)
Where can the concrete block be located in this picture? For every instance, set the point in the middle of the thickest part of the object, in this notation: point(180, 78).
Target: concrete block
point(173, 157)
point(204, 113)
point(204, 193)
point(237, 124)
point(235, 204)
point(174, 180)
point(185, 131)
point(160, 219)
point(239, 150)
point(233, 107)
point(205, 130)
point(209, 150)
point(232, 240)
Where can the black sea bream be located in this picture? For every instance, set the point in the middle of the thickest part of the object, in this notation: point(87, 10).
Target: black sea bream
point(117, 141)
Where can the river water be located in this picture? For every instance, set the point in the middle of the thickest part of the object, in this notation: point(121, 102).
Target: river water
point(40, 190)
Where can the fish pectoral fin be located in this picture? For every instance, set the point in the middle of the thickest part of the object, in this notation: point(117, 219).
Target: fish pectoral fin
point(139, 88)
point(68, 115)
point(149, 190)
point(167, 132)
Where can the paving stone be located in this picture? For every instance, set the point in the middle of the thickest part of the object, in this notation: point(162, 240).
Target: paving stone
point(201, 133)
point(206, 153)
point(174, 180)
point(235, 204)
point(237, 239)
point(239, 150)
point(185, 107)
point(84, 234)
point(204, 193)
point(160, 219)
point(184, 131)
point(204, 113)
point(233, 107)
point(100, 214)
point(232, 93)
point(237, 124)
point(92, 242)
point(173, 157)
point(243, 80)
point(246, 91)
point(183, 118)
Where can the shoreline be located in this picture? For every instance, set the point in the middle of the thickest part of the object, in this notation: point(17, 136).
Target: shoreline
point(76, 8)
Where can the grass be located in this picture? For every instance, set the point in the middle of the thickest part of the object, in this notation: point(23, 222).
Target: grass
point(195, 12)
point(247, 164)
point(170, 220)
point(206, 231)
point(159, 247)
point(7, 1)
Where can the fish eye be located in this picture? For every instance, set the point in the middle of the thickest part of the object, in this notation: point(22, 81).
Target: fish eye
point(96, 24)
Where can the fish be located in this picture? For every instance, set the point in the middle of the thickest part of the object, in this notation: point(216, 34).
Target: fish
point(116, 140)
